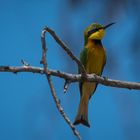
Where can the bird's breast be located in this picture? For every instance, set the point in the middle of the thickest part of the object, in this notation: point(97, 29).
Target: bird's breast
point(95, 59)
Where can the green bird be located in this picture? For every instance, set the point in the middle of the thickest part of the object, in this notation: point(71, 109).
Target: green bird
point(93, 57)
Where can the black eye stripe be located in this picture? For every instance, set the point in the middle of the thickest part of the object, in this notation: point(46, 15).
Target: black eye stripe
point(93, 31)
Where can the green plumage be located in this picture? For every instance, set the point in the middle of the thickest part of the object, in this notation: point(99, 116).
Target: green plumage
point(83, 59)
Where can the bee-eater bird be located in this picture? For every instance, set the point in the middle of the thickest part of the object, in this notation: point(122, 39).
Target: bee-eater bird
point(93, 58)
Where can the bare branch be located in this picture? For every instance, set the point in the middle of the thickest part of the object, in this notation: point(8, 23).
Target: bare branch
point(16, 69)
point(76, 133)
point(73, 77)
point(65, 48)
point(60, 109)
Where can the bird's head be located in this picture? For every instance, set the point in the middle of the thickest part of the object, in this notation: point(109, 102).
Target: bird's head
point(95, 31)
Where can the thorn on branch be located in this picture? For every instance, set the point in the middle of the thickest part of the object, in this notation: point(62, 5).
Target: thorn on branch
point(25, 63)
point(66, 85)
point(15, 72)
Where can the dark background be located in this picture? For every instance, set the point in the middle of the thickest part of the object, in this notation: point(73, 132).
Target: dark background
point(27, 110)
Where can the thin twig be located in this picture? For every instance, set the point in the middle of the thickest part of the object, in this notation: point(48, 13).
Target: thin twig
point(61, 110)
point(73, 77)
point(25, 63)
point(44, 62)
point(66, 85)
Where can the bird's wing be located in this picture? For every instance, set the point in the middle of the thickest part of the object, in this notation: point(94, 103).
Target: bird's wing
point(104, 61)
point(83, 59)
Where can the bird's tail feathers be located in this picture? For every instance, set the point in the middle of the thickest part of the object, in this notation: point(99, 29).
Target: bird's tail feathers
point(82, 115)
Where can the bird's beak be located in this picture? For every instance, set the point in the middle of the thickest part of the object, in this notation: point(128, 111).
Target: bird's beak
point(108, 25)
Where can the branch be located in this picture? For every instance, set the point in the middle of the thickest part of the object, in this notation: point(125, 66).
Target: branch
point(66, 49)
point(44, 62)
point(73, 77)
